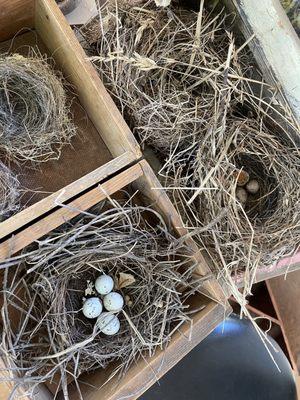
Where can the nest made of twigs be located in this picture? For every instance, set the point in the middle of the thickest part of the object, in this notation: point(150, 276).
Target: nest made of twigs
point(9, 192)
point(35, 119)
point(52, 334)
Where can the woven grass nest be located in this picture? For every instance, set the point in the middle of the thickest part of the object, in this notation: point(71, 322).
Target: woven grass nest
point(164, 67)
point(45, 286)
point(9, 192)
point(242, 235)
point(35, 110)
point(191, 92)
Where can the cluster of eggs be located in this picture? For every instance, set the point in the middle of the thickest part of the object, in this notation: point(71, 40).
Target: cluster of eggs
point(245, 187)
point(112, 302)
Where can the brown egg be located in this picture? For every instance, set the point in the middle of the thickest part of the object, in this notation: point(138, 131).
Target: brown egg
point(242, 177)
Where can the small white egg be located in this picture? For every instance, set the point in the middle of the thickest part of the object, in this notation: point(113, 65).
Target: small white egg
point(92, 307)
point(113, 302)
point(241, 195)
point(108, 323)
point(104, 284)
point(252, 186)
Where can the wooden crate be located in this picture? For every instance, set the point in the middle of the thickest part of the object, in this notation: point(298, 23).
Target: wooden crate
point(103, 145)
point(141, 178)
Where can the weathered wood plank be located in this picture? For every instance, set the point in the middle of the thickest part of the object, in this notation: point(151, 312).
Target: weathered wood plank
point(150, 187)
point(282, 267)
point(41, 207)
point(146, 372)
point(14, 15)
point(276, 46)
point(285, 298)
point(58, 217)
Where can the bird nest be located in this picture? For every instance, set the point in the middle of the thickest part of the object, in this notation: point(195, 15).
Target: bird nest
point(163, 68)
point(46, 287)
point(241, 234)
point(192, 93)
point(35, 111)
point(9, 192)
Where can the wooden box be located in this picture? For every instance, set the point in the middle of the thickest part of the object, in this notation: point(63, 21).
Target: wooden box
point(141, 375)
point(103, 144)
point(106, 156)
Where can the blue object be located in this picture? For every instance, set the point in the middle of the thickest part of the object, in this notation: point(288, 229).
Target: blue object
point(232, 363)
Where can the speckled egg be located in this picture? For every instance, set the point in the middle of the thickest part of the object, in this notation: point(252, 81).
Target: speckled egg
point(92, 307)
point(108, 323)
point(104, 284)
point(113, 302)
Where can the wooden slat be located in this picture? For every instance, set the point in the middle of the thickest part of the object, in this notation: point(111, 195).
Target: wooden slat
point(58, 217)
point(276, 46)
point(38, 209)
point(285, 297)
point(14, 15)
point(60, 177)
point(145, 373)
point(52, 26)
point(282, 267)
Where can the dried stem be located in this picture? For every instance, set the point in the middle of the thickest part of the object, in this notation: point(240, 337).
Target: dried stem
point(9, 192)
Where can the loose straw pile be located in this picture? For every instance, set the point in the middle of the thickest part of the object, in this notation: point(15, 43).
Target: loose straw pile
point(45, 287)
point(35, 112)
point(187, 90)
point(9, 192)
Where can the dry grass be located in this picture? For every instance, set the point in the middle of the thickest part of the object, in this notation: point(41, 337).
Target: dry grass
point(190, 92)
point(45, 287)
point(240, 237)
point(35, 111)
point(9, 192)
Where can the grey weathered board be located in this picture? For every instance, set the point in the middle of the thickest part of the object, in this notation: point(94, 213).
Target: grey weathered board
point(276, 46)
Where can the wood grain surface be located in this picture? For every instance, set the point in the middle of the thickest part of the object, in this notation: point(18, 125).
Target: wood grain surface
point(64, 46)
point(283, 267)
point(285, 294)
point(14, 15)
point(275, 45)
point(61, 196)
point(40, 228)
